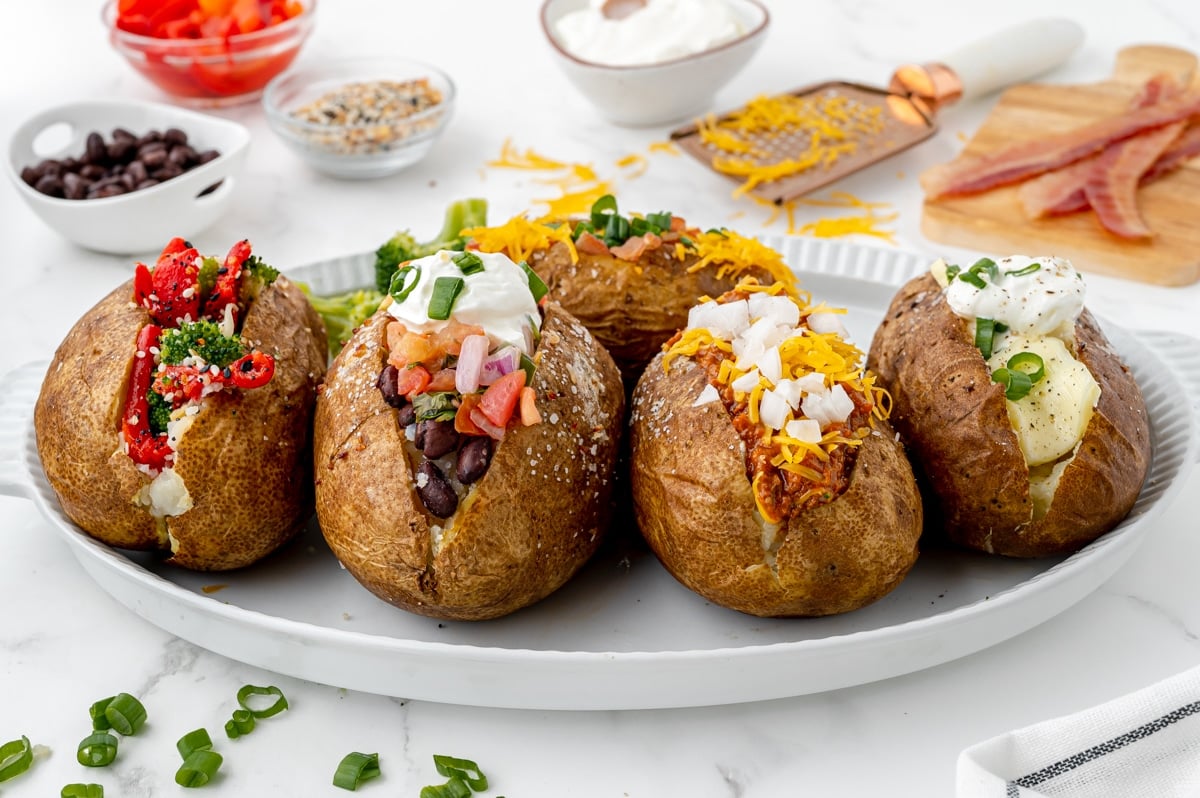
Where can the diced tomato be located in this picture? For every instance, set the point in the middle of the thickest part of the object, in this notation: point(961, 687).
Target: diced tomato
point(529, 411)
point(501, 397)
point(462, 419)
point(412, 380)
point(591, 245)
point(443, 380)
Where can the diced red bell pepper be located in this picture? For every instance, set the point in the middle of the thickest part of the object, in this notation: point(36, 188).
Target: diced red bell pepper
point(412, 380)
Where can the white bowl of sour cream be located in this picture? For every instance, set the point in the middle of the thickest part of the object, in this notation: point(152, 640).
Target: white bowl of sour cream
point(652, 62)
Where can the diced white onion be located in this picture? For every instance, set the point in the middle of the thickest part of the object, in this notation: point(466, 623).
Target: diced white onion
point(812, 383)
point(746, 382)
point(707, 396)
point(722, 320)
point(790, 391)
point(804, 429)
point(840, 403)
point(780, 310)
point(827, 323)
point(770, 365)
point(773, 410)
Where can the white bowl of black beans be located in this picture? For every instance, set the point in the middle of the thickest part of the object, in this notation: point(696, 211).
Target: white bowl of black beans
point(124, 176)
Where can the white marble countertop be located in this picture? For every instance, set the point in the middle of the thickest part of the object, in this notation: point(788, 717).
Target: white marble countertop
point(65, 642)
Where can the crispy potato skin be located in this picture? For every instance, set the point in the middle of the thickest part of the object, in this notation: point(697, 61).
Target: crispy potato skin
point(525, 528)
point(695, 508)
point(246, 460)
point(954, 421)
point(631, 308)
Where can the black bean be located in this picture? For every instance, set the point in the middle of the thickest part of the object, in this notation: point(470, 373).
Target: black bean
point(148, 137)
point(70, 164)
point(175, 136)
point(128, 181)
point(137, 170)
point(474, 458)
point(50, 167)
point(436, 492)
point(121, 134)
point(387, 383)
point(92, 171)
point(439, 438)
point(153, 155)
point(206, 156)
point(147, 183)
point(96, 151)
point(122, 150)
point(181, 155)
point(406, 415)
point(74, 186)
point(50, 184)
point(30, 175)
point(110, 190)
point(166, 171)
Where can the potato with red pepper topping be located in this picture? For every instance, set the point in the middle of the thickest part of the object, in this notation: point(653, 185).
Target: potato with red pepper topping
point(465, 441)
point(176, 415)
point(765, 476)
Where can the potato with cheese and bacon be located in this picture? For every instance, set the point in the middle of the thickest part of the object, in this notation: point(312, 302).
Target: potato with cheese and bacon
point(630, 279)
point(765, 475)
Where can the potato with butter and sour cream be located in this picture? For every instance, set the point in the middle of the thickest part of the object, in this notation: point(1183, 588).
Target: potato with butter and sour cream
point(1030, 433)
point(659, 31)
point(465, 441)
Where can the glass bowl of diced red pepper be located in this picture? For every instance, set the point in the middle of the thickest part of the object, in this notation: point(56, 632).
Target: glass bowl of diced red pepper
point(209, 53)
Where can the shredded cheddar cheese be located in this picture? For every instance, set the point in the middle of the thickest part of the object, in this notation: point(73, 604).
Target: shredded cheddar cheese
point(665, 147)
point(866, 223)
point(635, 163)
point(733, 254)
point(519, 238)
point(574, 203)
point(511, 158)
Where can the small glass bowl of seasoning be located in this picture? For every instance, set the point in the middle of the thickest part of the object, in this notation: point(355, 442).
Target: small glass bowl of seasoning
point(360, 118)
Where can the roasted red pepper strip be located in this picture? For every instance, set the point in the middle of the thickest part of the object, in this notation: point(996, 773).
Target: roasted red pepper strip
point(252, 371)
point(144, 446)
point(171, 292)
point(225, 292)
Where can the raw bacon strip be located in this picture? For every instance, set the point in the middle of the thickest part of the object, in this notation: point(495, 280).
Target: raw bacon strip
point(1029, 158)
point(1112, 186)
point(1062, 191)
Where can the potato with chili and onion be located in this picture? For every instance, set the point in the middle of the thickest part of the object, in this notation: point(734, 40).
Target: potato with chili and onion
point(1028, 429)
point(765, 475)
point(465, 441)
point(176, 415)
point(630, 279)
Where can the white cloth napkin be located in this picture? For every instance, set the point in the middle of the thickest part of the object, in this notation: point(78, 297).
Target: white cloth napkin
point(1144, 744)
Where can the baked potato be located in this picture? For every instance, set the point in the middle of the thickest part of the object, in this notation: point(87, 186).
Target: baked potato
point(176, 415)
point(465, 448)
point(765, 475)
point(631, 281)
point(1028, 431)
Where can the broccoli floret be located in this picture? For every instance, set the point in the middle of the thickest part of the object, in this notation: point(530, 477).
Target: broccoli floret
point(258, 268)
point(343, 313)
point(209, 267)
point(404, 246)
point(202, 339)
point(160, 412)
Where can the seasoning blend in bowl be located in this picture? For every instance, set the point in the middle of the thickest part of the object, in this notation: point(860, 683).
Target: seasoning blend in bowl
point(360, 118)
point(650, 62)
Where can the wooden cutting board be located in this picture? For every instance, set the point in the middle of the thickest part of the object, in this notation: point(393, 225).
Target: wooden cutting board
point(993, 222)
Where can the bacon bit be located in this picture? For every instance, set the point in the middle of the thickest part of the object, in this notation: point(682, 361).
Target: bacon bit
point(653, 241)
point(631, 250)
point(591, 245)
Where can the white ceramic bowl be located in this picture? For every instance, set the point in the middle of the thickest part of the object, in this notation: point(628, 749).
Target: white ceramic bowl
point(357, 150)
point(146, 219)
point(669, 91)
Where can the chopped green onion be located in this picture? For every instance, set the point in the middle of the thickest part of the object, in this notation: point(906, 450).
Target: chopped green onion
point(661, 220)
point(97, 750)
point(243, 696)
point(241, 723)
point(125, 714)
point(455, 788)
point(461, 768)
point(529, 367)
point(687, 242)
point(197, 740)
point(1017, 384)
point(198, 769)
point(985, 333)
point(15, 758)
point(83, 791)
point(986, 266)
point(537, 286)
point(721, 231)
point(972, 278)
point(96, 710)
point(469, 262)
point(1030, 269)
point(1030, 364)
point(617, 230)
point(952, 272)
point(445, 292)
point(355, 768)
point(398, 288)
point(581, 228)
point(602, 208)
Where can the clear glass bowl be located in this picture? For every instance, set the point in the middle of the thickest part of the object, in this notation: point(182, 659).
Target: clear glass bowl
point(213, 72)
point(347, 143)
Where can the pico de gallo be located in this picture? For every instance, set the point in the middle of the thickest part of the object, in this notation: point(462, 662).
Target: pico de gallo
point(190, 349)
point(460, 343)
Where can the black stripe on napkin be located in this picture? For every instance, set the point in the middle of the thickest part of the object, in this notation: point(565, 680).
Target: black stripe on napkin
point(1105, 748)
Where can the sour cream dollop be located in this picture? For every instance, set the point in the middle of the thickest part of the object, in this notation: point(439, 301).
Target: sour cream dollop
point(660, 31)
point(496, 298)
point(1036, 302)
